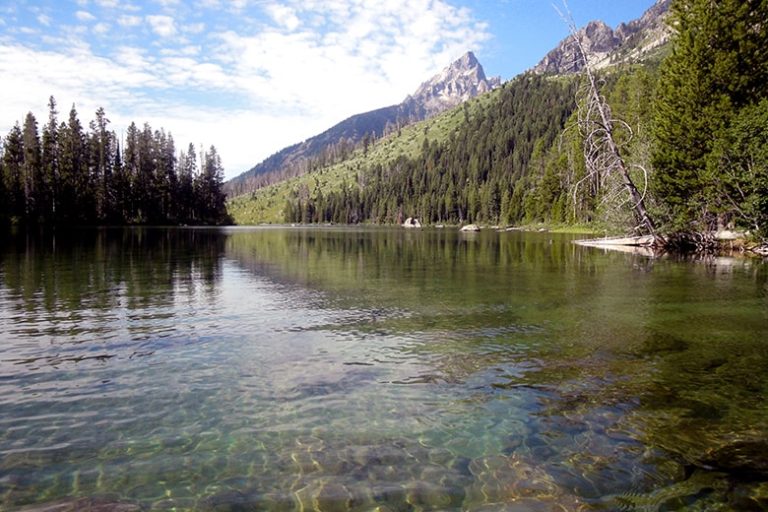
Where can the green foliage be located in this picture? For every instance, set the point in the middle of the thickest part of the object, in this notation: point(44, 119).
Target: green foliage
point(13, 162)
point(741, 162)
point(469, 176)
point(718, 65)
point(74, 176)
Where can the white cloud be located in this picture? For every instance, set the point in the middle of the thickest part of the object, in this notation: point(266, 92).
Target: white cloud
point(164, 26)
point(194, 28)
point(44, 19)
point(84, 16)
point(101, 28)
point(284, 16)
point(126, 20)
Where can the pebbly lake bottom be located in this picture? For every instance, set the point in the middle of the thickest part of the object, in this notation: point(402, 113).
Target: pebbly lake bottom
point(376, 369)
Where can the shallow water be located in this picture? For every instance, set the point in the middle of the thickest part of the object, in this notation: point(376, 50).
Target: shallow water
point(350, 369)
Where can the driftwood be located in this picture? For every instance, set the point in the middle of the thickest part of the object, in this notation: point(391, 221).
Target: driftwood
point(634, 241)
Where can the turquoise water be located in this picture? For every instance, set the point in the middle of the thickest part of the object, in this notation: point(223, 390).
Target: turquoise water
point(377, 369)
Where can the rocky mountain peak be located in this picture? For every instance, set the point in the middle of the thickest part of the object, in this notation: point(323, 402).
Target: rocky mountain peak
point(605, 46)
point(461, 80)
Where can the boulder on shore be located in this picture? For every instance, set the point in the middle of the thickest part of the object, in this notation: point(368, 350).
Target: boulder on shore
point(411, 222)
point(470, 228)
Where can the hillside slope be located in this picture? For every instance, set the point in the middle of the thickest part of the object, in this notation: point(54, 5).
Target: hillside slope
point(267, 204)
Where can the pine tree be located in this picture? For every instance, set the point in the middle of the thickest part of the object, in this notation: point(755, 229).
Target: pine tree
point(101, 153)
point(210, 196)
point(32, 169)
point(48, 195)
point(13, 169)
point(74, 180)
point(186, 190)
point(718, 65)
point(4, 199)
point(131, 173)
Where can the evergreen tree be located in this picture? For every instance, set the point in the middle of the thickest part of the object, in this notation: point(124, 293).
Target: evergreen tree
point(718, 65)
point(101, 153)
point(186, 191)
point(71, 175)
point(32, 168)
point(120, 189)
point(742, 157)
point(73, 182)
point(13, 169)
point(145, 192)
point(48, 195)
point(131, 173)
point(4, 199)
point(210, 197)
point(167, 178)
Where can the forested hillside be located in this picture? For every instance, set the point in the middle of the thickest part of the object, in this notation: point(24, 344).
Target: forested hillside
point(509, 157)
point(70, 175)
point(472, 176)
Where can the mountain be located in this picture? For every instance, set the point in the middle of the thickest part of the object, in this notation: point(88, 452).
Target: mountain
point(462, 80)
point(629, 42)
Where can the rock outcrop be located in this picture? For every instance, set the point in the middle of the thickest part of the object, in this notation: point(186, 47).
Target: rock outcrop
point(605, 46)
point(462, 80)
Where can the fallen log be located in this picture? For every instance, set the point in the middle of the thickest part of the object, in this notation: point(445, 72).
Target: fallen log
point(633, 241)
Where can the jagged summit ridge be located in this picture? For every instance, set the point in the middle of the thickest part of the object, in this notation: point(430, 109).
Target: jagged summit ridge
point(606, 46)
point(463, 79)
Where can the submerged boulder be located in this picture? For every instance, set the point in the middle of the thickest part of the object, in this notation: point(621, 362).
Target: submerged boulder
point(84, 505)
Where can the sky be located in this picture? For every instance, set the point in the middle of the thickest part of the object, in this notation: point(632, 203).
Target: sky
point(254, 76)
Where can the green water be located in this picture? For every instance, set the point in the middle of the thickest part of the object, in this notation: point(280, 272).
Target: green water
point(343, 369)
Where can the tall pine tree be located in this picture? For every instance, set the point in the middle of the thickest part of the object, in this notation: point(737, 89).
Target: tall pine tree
point(50, 158)
point(32, 169)
point(13, 169)
point(718, 65)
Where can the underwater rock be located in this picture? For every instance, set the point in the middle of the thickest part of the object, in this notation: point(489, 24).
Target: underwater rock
point(740, 456)
point(658, 343)
point(513, 483)
point(325, 496)
point(85, 505)
point(428, 496)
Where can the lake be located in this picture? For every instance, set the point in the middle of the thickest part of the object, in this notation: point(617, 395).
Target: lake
point(341, 369)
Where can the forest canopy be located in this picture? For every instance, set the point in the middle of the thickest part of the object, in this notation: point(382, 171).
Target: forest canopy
point(70, 175)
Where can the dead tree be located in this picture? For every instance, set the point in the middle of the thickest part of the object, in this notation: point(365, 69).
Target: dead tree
point(602, 153)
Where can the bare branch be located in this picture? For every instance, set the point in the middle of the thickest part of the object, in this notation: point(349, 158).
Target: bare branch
point(602, 153)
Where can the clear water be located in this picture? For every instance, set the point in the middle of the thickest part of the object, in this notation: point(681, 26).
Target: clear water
point(377, 369)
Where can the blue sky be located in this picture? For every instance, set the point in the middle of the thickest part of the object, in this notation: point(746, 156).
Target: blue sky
point(253, 76)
